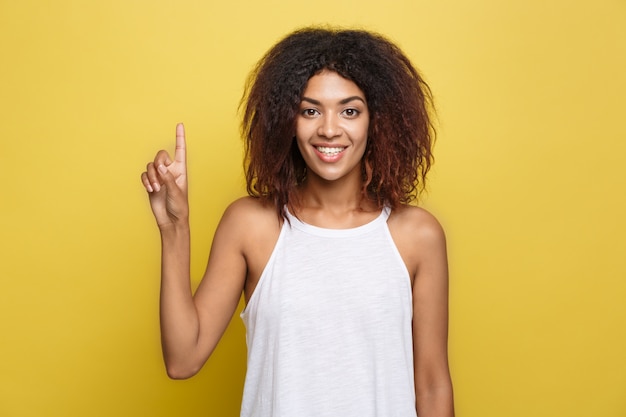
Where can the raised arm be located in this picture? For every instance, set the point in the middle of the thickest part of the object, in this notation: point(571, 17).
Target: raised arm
point(190, 328)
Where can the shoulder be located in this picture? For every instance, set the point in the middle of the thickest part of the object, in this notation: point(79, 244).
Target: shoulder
point(253, 227)
point(249, 210)
point(416, 224)
point(249, 218)
point(418, 235)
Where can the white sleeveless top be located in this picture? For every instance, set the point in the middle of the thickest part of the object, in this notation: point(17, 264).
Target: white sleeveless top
point(328, 326)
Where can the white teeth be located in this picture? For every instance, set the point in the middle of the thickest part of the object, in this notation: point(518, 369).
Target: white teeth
point(329, 151)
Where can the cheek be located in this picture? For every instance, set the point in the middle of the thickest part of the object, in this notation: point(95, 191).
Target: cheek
point(362, 132)
point(304, 131)
point(299, 131)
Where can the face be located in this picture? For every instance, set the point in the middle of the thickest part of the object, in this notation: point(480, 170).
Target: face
point(331, 127)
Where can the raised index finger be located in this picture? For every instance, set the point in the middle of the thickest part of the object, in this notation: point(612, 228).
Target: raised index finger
point(180, 154)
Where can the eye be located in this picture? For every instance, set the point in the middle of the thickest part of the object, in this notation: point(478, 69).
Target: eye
point(351, 113)
point(310, 113)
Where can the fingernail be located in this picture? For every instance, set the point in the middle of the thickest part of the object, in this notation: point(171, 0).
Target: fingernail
point(156, 187)
point(162, 169)
point(150, 188)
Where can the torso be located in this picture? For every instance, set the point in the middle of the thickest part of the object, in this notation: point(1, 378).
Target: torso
point(331, 317)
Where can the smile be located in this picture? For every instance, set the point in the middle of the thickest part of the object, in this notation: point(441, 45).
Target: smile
point(329, 151)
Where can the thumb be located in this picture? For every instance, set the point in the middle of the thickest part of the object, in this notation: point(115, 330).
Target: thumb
point(168, 179)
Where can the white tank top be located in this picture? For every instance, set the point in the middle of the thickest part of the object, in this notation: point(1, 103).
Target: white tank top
point(328, 326)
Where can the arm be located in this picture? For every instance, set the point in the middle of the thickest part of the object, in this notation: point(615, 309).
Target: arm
point(421, 243)
point(190, 326)
point(433, 386)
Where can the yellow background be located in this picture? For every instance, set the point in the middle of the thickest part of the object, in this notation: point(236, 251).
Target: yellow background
point(529, 183)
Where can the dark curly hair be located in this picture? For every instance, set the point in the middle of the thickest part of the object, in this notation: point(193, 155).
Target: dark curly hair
point(399, 146)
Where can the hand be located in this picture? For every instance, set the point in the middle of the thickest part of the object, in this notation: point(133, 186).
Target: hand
point(166, 183)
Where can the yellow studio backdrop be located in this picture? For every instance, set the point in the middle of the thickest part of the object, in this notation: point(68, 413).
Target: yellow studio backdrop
point(529, 183)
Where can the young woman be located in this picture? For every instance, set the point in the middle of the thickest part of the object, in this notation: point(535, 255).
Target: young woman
point(345, 283)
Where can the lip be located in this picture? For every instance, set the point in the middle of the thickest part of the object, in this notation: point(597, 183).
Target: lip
point(329, 158)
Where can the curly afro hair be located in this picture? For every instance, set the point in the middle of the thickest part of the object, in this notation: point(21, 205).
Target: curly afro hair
point(401, 134)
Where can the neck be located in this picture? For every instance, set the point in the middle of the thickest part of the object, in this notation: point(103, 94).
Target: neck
point(333, 204)
point(334, 196)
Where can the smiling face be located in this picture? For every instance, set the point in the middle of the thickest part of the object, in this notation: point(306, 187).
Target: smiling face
point(331, 127)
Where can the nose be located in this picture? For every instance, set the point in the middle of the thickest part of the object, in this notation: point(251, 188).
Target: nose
point(329, 126)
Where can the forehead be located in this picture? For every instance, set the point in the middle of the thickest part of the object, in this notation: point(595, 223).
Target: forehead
point(329, 85)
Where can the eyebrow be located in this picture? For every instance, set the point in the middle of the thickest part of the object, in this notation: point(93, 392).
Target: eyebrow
point(343, 101)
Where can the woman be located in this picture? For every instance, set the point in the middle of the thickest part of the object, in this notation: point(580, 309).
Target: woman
point(345, 283)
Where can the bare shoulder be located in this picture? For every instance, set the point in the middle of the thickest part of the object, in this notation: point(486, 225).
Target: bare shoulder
point(245, 221)
point(255, 227)
point(250, 213)
point(418, 235)
point(416, 224)
point(249, 206)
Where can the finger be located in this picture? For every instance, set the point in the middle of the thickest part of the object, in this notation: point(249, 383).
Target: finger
point(153, 177)
point(168, 180)
point(180, 155)
point(162, 158)
point(146, 182)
